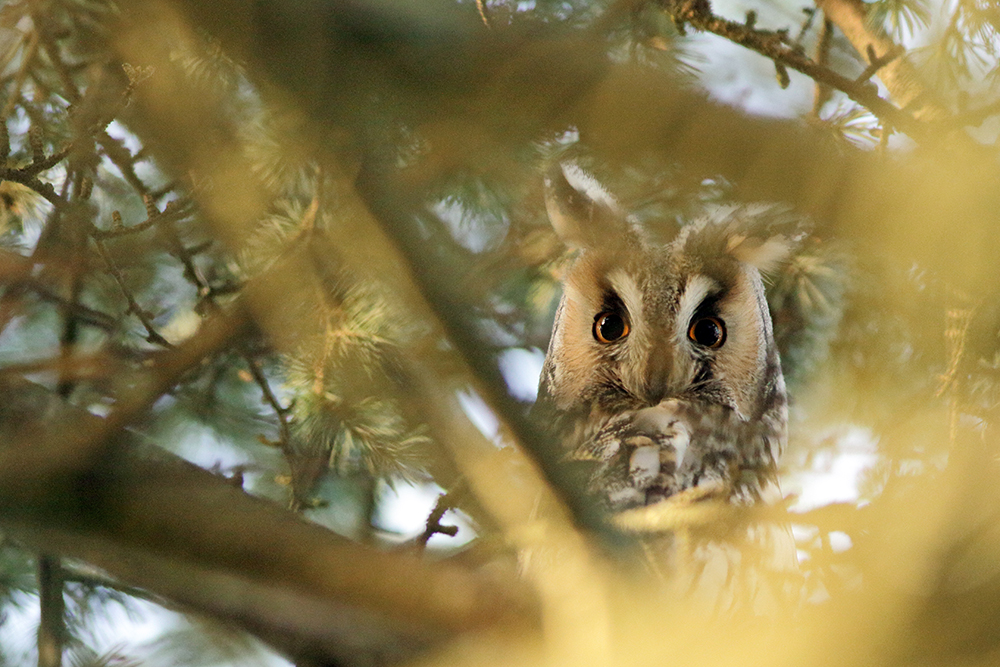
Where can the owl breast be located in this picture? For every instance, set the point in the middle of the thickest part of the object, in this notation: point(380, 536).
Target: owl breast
point(662, 369)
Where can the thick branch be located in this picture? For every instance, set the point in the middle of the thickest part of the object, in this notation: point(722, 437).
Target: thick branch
point(156, 521)
point(394, 206)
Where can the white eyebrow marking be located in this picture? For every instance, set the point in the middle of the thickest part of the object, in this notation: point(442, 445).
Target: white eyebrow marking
point(628, 291)
point(697, 288)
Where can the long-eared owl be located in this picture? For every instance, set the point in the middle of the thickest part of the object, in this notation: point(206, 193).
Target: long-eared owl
point(662, 367)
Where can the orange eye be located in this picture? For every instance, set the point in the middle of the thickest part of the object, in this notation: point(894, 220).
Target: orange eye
point(610, 327)
point(708, 332)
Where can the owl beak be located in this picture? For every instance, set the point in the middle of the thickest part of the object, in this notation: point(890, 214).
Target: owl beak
point(659, 369)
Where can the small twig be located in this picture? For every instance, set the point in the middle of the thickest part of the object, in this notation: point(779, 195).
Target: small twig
point(897, 74)
point(27, 60)
point(269, 396)
point(445, 503)
point(27, 175)
point(186, 255)
point(84, 314)
point(782, 74)
point(43, 163)
point(122, 158)
point(883, 138)
point(51, 48)
point(160, 192)
point(284, 430)
point(823, 91)
point(52, 624)
point(877, 62)
point(806, 24)
point(481, 6)
point(152, 335)
point(171, 213)
point(164, 220)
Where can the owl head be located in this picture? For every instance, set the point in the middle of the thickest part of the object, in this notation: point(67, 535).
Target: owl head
point(642, 321)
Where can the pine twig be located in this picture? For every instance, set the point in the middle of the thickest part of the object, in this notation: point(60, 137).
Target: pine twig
point(806, 26)
point(877, 62)
point(124, 160)
point(775, 45)
point(152, 335)
point(27, 60)
point(171, 213)
point(823, 92)
point(50, 46)
point(284, 430)
point(42, 162)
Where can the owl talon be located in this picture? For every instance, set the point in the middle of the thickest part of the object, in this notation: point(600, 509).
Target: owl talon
point(644, 466)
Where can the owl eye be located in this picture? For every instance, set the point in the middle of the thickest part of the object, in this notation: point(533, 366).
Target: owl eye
point(708, 332)
point(610, 327)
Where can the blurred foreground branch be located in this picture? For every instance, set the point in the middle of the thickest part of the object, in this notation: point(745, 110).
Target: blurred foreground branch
point(160, 523)
point(560, 80)
point(385, 192)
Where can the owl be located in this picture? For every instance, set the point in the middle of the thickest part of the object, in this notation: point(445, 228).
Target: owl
point(662, 369)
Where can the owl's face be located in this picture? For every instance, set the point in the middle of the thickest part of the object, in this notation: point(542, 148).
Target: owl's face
point(641, 321)
point(640, 324)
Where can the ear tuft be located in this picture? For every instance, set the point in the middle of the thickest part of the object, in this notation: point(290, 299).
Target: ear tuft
point(582, 212)
point(764, 254)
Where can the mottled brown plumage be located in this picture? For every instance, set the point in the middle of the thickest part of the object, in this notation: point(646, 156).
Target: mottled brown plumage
point(662, 367)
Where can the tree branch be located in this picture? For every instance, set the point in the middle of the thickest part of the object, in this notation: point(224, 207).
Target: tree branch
point(51, 624)
point(896, 73)
point(393, 206)
point(155, 521)
point(774, 45)
point(152, 335)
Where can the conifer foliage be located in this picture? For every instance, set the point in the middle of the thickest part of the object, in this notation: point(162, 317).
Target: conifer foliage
point(265, 264)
